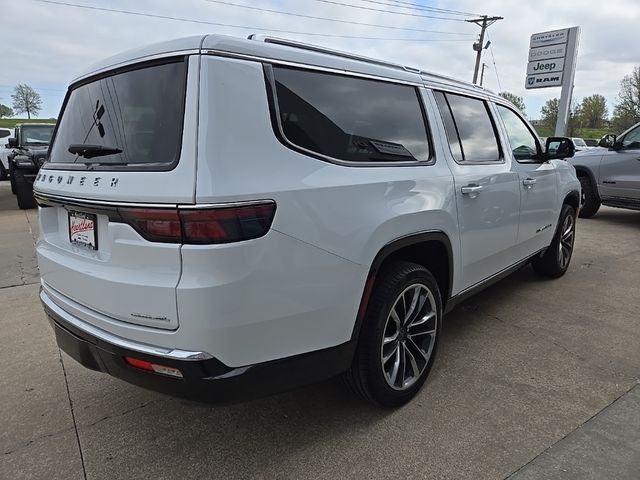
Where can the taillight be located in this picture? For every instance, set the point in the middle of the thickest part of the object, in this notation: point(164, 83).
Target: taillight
point(201, 226)
point(157, 225)
point(224, 225)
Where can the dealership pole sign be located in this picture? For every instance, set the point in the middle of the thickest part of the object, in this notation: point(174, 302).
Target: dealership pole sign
point(552, 63)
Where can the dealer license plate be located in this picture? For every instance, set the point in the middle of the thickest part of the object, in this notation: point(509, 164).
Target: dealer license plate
point(82, 230)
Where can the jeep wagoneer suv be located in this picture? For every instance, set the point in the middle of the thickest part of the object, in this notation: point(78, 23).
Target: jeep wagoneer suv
point(224, 218)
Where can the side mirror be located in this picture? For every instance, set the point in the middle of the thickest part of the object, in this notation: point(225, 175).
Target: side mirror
point(559, 147)
point(12, 143)
point(608, 141)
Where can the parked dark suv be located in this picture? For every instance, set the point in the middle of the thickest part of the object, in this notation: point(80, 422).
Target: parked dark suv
point(29, 147)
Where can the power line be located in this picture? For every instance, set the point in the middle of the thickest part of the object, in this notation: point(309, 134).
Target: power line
point(495, 67)
point(335, 19)
point(203, 22)
point(351, 5)
point(418, 7)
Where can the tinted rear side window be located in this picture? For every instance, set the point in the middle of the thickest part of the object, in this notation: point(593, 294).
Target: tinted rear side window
point(5, 133)
point(473, 127)
point(351, 119)
point(138, 111)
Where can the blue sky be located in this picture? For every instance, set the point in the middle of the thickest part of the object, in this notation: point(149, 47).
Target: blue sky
point(56, 42)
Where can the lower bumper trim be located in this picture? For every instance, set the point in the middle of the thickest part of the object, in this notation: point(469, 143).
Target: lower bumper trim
point(203, 380)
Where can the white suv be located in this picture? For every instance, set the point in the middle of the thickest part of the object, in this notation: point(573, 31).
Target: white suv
point(225, 218)
point(5, 134)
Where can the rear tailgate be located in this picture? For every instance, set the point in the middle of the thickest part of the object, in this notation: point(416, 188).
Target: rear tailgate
point(89, 258)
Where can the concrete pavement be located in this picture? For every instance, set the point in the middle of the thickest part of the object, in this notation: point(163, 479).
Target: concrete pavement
point(531, 374)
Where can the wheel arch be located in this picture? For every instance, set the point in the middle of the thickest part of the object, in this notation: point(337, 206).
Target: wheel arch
point(572, 198)
point(587, 172)
point(420, 248)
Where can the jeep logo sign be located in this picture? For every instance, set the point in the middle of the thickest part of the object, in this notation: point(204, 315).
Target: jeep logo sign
point(545, 66)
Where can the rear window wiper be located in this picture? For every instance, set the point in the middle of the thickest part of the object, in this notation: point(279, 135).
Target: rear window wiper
point(91, 151)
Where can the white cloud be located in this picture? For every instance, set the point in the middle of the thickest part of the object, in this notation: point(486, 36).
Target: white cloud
point(45, 45)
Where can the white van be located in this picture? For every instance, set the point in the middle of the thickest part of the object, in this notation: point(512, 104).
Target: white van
point(224, 218)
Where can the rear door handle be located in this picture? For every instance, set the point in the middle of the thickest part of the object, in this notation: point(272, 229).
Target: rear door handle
point(472, 190)
point(529, 182)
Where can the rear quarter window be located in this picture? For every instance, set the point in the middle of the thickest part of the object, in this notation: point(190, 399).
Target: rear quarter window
point(469, 127)
point(138, 112)
point(349, 119)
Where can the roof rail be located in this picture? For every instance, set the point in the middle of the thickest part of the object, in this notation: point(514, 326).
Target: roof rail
point(329, 51)
point(352, 56)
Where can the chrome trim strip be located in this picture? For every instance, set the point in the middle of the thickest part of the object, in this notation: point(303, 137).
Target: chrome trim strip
point(109, 203)
point(80, 201)
point(240, 203)
point(174, 354)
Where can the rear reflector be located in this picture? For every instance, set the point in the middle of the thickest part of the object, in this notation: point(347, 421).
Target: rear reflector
point(201, 226)
point(153, 367)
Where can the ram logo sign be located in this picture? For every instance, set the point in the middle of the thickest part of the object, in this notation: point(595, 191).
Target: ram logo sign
point(544, 80)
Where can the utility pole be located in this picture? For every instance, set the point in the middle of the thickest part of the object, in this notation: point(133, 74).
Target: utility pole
point(483, 22)
point(482, 73)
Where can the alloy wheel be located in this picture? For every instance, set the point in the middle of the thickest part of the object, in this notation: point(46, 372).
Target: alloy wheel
point(567, 236)
point(409, 336)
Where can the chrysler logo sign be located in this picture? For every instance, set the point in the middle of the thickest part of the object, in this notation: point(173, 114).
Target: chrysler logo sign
point(549, 38)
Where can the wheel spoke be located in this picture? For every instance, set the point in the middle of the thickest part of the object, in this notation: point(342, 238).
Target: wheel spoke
point(393, 352)
point(427, 318)
point(412, 360)
point(395, 317)
point(403, 366)
point(392, 338)
point(418, 311)
point(414, 302)
point(415, 347)
point(396, 367)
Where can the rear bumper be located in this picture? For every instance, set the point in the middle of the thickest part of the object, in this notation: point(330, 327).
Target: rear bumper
point(205, 379)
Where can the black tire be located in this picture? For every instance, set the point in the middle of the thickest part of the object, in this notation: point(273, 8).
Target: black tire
point(24, 191)
point(3, 173)
point(590, 202)
point(12, 178)
point(416, 351)
point(555, 261)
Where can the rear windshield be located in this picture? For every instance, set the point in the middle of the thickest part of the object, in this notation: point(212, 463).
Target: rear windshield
point(36, 134)
point(131, 119)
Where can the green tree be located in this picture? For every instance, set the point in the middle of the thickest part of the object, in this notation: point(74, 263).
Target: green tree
point(515, 99)
point(593, 111)
point(549, 112)
point(627, 110)
point(5, 111)
point(26, 100)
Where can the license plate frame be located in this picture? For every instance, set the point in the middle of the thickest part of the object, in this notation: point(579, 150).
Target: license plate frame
point(86, 229)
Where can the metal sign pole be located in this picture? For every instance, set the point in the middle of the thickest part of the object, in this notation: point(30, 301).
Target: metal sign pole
point(567, 81)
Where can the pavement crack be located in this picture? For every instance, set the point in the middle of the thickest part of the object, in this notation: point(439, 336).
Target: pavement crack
point(126, 412)
point(18, 285)
point(33, 237)
point(73, 416)
point(34, 440)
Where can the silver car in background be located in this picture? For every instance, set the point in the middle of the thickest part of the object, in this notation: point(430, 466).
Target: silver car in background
point(610, 173)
